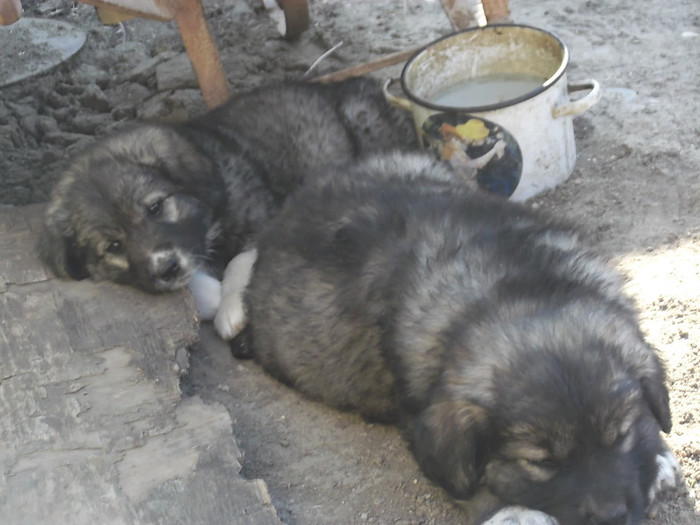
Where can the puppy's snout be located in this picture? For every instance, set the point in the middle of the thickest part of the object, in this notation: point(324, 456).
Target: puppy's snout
point(170, 270)
point(613, 514)
point(167, 270)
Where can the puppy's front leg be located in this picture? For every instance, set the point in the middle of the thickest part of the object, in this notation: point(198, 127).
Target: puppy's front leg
point(487, 509)
point(231, 317)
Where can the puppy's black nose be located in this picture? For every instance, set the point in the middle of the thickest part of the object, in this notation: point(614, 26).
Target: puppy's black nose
point(171, 269)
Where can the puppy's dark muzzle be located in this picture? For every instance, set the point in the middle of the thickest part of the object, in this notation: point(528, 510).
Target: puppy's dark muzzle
point(170, 270)
point(164, 271)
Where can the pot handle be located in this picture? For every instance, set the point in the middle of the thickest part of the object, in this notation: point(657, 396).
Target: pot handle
point(577, 107)
point(399, 102)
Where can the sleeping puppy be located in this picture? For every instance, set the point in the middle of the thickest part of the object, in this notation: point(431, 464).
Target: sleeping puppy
point(491, 335)
point(151, 204)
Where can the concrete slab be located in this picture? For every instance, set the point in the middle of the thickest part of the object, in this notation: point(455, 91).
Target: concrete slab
point(93, 425)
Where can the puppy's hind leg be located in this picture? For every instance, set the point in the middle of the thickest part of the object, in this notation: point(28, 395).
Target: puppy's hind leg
point(231, 317)
point(241, 346)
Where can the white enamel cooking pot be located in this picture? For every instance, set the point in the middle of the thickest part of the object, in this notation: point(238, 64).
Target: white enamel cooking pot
point(540, 119)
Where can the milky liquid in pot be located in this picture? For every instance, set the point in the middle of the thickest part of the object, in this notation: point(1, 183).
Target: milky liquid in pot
point(486, 90)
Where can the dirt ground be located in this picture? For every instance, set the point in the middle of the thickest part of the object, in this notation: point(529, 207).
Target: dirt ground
point(635, 190)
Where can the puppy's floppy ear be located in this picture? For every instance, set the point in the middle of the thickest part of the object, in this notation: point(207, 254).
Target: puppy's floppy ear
point(182, 162)
point(642, 361)
point(448, 441)
point(656, 395)
point(60, 251)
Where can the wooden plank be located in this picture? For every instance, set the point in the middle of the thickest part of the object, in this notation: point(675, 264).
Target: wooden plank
point(18, 265)
point(93, 425)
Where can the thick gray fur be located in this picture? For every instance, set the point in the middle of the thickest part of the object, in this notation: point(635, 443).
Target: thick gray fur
point(500, 343)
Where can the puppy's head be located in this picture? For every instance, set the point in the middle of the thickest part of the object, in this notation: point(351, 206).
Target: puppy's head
point(136, 208)
point(565, 424)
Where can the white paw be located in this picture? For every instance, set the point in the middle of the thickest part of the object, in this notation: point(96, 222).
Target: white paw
point(206, 291)
point(520, 516)
point(231, 317)
point(668, 475)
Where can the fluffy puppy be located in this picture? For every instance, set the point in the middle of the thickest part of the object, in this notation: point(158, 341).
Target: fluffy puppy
point(149, 205)
point(502, 346)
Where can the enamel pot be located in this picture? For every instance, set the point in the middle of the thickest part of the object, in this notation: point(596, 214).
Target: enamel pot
point(495, 102)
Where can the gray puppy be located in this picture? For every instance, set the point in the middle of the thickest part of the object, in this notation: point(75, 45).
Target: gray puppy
point(502, 346)
point(152, 203)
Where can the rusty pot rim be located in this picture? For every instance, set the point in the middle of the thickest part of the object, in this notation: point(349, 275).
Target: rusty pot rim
point(488, 107)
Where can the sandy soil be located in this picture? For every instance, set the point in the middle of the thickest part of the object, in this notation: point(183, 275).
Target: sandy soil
point(635, 190)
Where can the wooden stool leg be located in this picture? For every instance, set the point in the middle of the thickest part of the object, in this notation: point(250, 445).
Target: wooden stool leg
point(496, 10)
point(460, 12)
point(200, 47)
point(10, 12)
point(296, 16)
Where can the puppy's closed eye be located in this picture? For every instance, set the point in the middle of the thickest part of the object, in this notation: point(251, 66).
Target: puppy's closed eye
point(537, 461)
point(540, 469)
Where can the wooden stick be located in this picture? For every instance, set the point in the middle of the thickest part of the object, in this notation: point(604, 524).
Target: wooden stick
point(368, 67)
